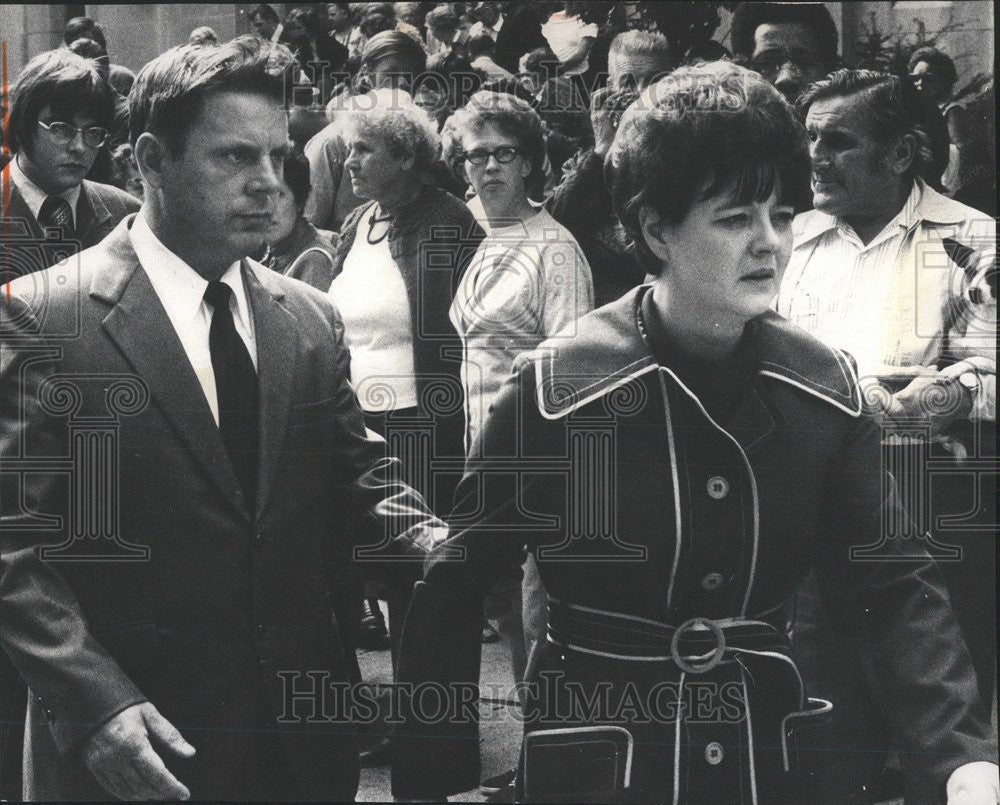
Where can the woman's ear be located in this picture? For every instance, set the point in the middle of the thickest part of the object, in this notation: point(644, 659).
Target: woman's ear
point(655, 232)
point(150, 153)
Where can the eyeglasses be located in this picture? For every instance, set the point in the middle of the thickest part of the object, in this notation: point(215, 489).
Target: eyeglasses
point(63, 133)
point(480, 156)
point(769, 64)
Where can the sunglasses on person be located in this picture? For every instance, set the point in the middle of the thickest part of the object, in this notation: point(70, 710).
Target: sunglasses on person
point(63, 133)
point(480, 156)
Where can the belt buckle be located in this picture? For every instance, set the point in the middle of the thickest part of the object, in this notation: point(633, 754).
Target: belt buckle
point(717, 652)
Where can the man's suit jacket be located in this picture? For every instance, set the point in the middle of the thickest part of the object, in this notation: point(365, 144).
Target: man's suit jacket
point(24, 247)
point(218, 626)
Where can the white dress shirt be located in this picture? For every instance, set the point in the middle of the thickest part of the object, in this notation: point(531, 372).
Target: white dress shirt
point(181, 291)
point(34, 196)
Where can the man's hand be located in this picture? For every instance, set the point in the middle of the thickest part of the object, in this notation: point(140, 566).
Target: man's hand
point(937, 398)
point(606, 109)
point(974, 784)
point(122, 758)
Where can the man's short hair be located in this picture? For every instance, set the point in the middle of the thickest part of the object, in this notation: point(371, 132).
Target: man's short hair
point(939, 62)
point(67, 83)
point(814, 16)
point(640, 43)
point(894, 109)
point(169, 91)
point(84, 28)
point(691, 134)
point(265, 12)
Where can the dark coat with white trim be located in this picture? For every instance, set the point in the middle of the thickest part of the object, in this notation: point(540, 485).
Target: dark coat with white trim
point(647, 508)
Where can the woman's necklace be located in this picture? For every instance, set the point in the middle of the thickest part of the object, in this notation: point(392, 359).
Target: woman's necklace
point(372, 220)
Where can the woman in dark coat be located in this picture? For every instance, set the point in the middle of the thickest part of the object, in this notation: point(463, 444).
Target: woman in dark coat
point(678, 467)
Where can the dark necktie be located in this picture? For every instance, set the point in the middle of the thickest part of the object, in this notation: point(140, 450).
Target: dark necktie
point(236, 389)
point(55, 211)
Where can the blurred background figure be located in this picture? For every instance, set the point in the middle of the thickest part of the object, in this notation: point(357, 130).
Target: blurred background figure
point(203, 36)
point(266, 23)
point(481, 50)
point(443, 33)
point(295, 247)
point(120, 78)
point(789, 44)
point(570, 39)
point(319, 53)
point(390, 59)
point(582, 201)
point(125, 172)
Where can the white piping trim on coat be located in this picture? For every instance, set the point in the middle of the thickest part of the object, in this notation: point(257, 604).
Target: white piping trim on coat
point(601, 391)
point(753, 486)
point(821, 710)
point(677, 739)
point(753, 768)
point(677, 492)
point(849, 374)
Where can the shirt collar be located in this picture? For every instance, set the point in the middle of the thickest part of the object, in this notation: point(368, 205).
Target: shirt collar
point(180, 288)
point(923, 204)
point(34, 196)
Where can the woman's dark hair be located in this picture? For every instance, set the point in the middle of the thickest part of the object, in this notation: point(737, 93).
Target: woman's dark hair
point(296, 168)
point(376, 23)
point(68, 84)
point(939, 62)
point(395, 44)
point(894, 109)
point(694, 133)
point(170, 89)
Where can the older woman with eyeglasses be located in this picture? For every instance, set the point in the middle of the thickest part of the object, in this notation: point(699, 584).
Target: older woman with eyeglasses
point(527, 282)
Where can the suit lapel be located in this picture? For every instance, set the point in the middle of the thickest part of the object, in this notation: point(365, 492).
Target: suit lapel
point(91, 215)
point(140, 327)
point(277, 347)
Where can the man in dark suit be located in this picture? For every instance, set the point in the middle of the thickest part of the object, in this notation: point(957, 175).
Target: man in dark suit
point(60, 110)
point(240, 475)
point(60, 115)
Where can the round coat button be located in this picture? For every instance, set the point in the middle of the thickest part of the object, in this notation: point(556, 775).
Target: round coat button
point(714, 753)
point(712, 581)
point(718, 487)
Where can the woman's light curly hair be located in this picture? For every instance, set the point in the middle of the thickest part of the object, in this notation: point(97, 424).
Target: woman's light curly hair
point(392, 116)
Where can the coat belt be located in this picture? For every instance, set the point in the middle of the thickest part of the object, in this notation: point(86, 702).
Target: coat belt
point(695, 646)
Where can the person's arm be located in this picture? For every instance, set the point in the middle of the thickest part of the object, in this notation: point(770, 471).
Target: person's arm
point(887, 597)
point(93, 709)
point(441, 643)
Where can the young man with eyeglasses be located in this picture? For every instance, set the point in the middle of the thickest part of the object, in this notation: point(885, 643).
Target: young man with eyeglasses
point(60, 115)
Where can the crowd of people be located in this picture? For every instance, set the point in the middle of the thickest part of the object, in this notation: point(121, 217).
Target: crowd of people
point(674, 368)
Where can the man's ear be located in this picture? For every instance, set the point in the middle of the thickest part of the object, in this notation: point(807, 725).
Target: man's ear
point(656, 233)
point(150, 155)
point(902, 154)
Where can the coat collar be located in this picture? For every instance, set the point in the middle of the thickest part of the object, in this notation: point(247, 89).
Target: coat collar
point(611, 351)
